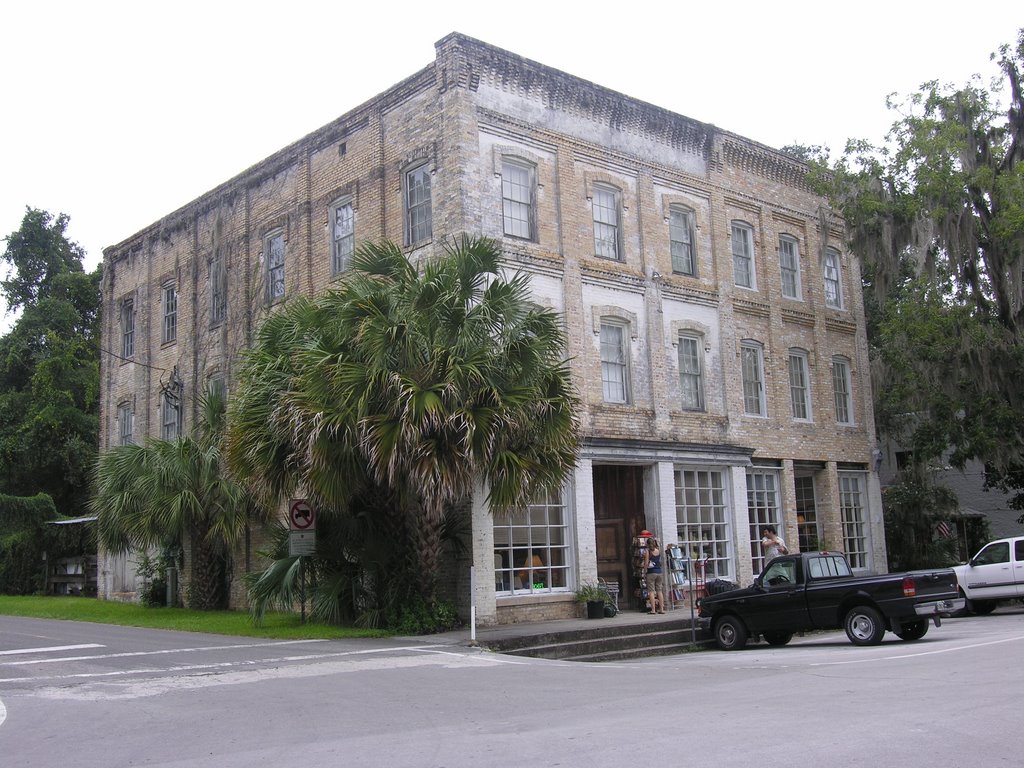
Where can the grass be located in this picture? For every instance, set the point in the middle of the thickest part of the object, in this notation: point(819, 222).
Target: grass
point(280, 626)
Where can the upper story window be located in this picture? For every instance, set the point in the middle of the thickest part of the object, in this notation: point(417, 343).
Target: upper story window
point(680, 235)
point(833, 281)
point(614, 362)
point(606, 222)
point(343, 235)
point(789, 266)
point(841, 390)
point(518, 182)
point(273, 248)
point(418, 224)
point(799, 385)
point(170, 417)
point(169, 302)
point(691, 373)
point(218, 290)
point(127, 328)
point(125, 424)
point(743, 254)
point(752, 367)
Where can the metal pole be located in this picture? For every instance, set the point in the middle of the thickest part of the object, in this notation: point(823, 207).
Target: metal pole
point(302, 586)
point(693, 625)
point(472, 604)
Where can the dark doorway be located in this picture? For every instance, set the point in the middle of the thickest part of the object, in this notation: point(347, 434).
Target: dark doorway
point(619, 516)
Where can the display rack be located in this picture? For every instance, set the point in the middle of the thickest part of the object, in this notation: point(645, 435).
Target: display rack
point(678, 578)
point(639, 550)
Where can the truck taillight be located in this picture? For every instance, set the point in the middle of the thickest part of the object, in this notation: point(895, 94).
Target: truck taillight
point(909, 588)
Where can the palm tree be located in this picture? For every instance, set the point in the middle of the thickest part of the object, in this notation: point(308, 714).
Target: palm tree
point(409, 384)
point(167, 492)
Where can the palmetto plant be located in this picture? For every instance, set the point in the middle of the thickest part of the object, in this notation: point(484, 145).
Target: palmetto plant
point(167, 492)
point(406, 388)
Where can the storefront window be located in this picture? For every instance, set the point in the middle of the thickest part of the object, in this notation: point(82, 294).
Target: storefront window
point(854, 518)
point(531, 548)
point(702, 526)
point(763, 509)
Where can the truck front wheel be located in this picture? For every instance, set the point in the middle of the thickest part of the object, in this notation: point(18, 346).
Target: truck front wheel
point(730, 633)
point(864, 625)
point(983, 607)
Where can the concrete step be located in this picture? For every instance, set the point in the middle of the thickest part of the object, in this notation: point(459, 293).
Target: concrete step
point(605, 640)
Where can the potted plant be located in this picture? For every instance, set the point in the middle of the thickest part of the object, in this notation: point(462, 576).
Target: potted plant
point(595, 596)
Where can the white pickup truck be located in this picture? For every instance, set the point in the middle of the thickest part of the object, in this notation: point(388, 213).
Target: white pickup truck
point(993, 575)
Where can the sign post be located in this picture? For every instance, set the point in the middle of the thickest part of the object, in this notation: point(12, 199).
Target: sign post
point(301, 541)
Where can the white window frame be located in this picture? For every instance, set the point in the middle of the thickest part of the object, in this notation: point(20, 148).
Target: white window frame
point(169, 307)
point(703, 519)
point(342, 234)
point(542, 529)
point(789, 267)
point(128, 329)
point(276, 258)
point(842, 390)
point(854, 519)
point(832, 274)
point(125, 424)
point(691, 372)
point(752, 375)
point(606, 202)
point(518, 198)
point(615, 362)
point(742, 242)
point(800, 385)
point(681, 240)
point(170, 417)
point(764, 507)
point(418, 204)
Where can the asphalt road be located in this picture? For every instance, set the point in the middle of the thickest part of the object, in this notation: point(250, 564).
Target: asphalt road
point(87, 695)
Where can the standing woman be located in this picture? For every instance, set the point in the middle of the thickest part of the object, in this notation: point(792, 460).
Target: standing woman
point(655, 577)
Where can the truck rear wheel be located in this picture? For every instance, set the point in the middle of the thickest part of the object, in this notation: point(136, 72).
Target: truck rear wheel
point(864, 625)
point(777, 638)
point(915, 630)
point(730, 633)
point(983, 607)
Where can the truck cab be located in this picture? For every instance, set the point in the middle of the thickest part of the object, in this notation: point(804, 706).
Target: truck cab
point(994, 574)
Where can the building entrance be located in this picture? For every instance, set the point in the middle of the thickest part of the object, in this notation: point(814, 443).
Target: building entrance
point(619, 516)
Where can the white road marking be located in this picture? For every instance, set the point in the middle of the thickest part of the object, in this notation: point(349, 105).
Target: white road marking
point(3, 712)
point(52, 648)
point(917, 653)
point(152, 653)
point(110, 691)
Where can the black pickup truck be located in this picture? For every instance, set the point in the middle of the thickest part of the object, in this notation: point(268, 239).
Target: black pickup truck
point(817, 590)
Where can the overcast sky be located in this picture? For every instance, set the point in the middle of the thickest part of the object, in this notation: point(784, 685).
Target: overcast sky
point(118, 113)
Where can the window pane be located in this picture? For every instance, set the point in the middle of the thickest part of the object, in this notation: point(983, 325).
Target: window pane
point(702, 521)
point(128, 329)
point(833, 295)
point(798, 386)
point(680, 230)
point(275, 266)
point(691, 378)
point(752, 382)
point(742, 255)
point(218, 290)
point(531, 549)
point(606, 223)
point(763, 508)
point(342, 238)
point(841, 388)
point(789, 265)
point(613, 363)
point(517, 199)
point(170, 307)
point(806, 513)
point(851, 509)
point(418, 226)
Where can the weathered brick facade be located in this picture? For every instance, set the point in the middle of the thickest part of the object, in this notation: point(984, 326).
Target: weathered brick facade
point(474, 108)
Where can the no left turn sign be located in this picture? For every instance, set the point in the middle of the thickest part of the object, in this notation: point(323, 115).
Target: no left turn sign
point(301, 516)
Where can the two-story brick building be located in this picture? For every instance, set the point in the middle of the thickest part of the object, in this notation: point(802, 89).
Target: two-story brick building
point(715, 323)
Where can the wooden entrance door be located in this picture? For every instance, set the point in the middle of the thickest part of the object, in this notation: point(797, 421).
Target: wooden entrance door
point(619, 516)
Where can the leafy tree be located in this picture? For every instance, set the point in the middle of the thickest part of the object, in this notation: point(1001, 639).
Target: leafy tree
point(49, 365)
point(937, 217)
point(395, 395)
point(166, 493)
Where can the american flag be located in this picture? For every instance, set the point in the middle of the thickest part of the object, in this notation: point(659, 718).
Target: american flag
point(944, 529)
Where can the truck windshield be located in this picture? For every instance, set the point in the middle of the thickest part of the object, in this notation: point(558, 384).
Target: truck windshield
point(827, 567)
